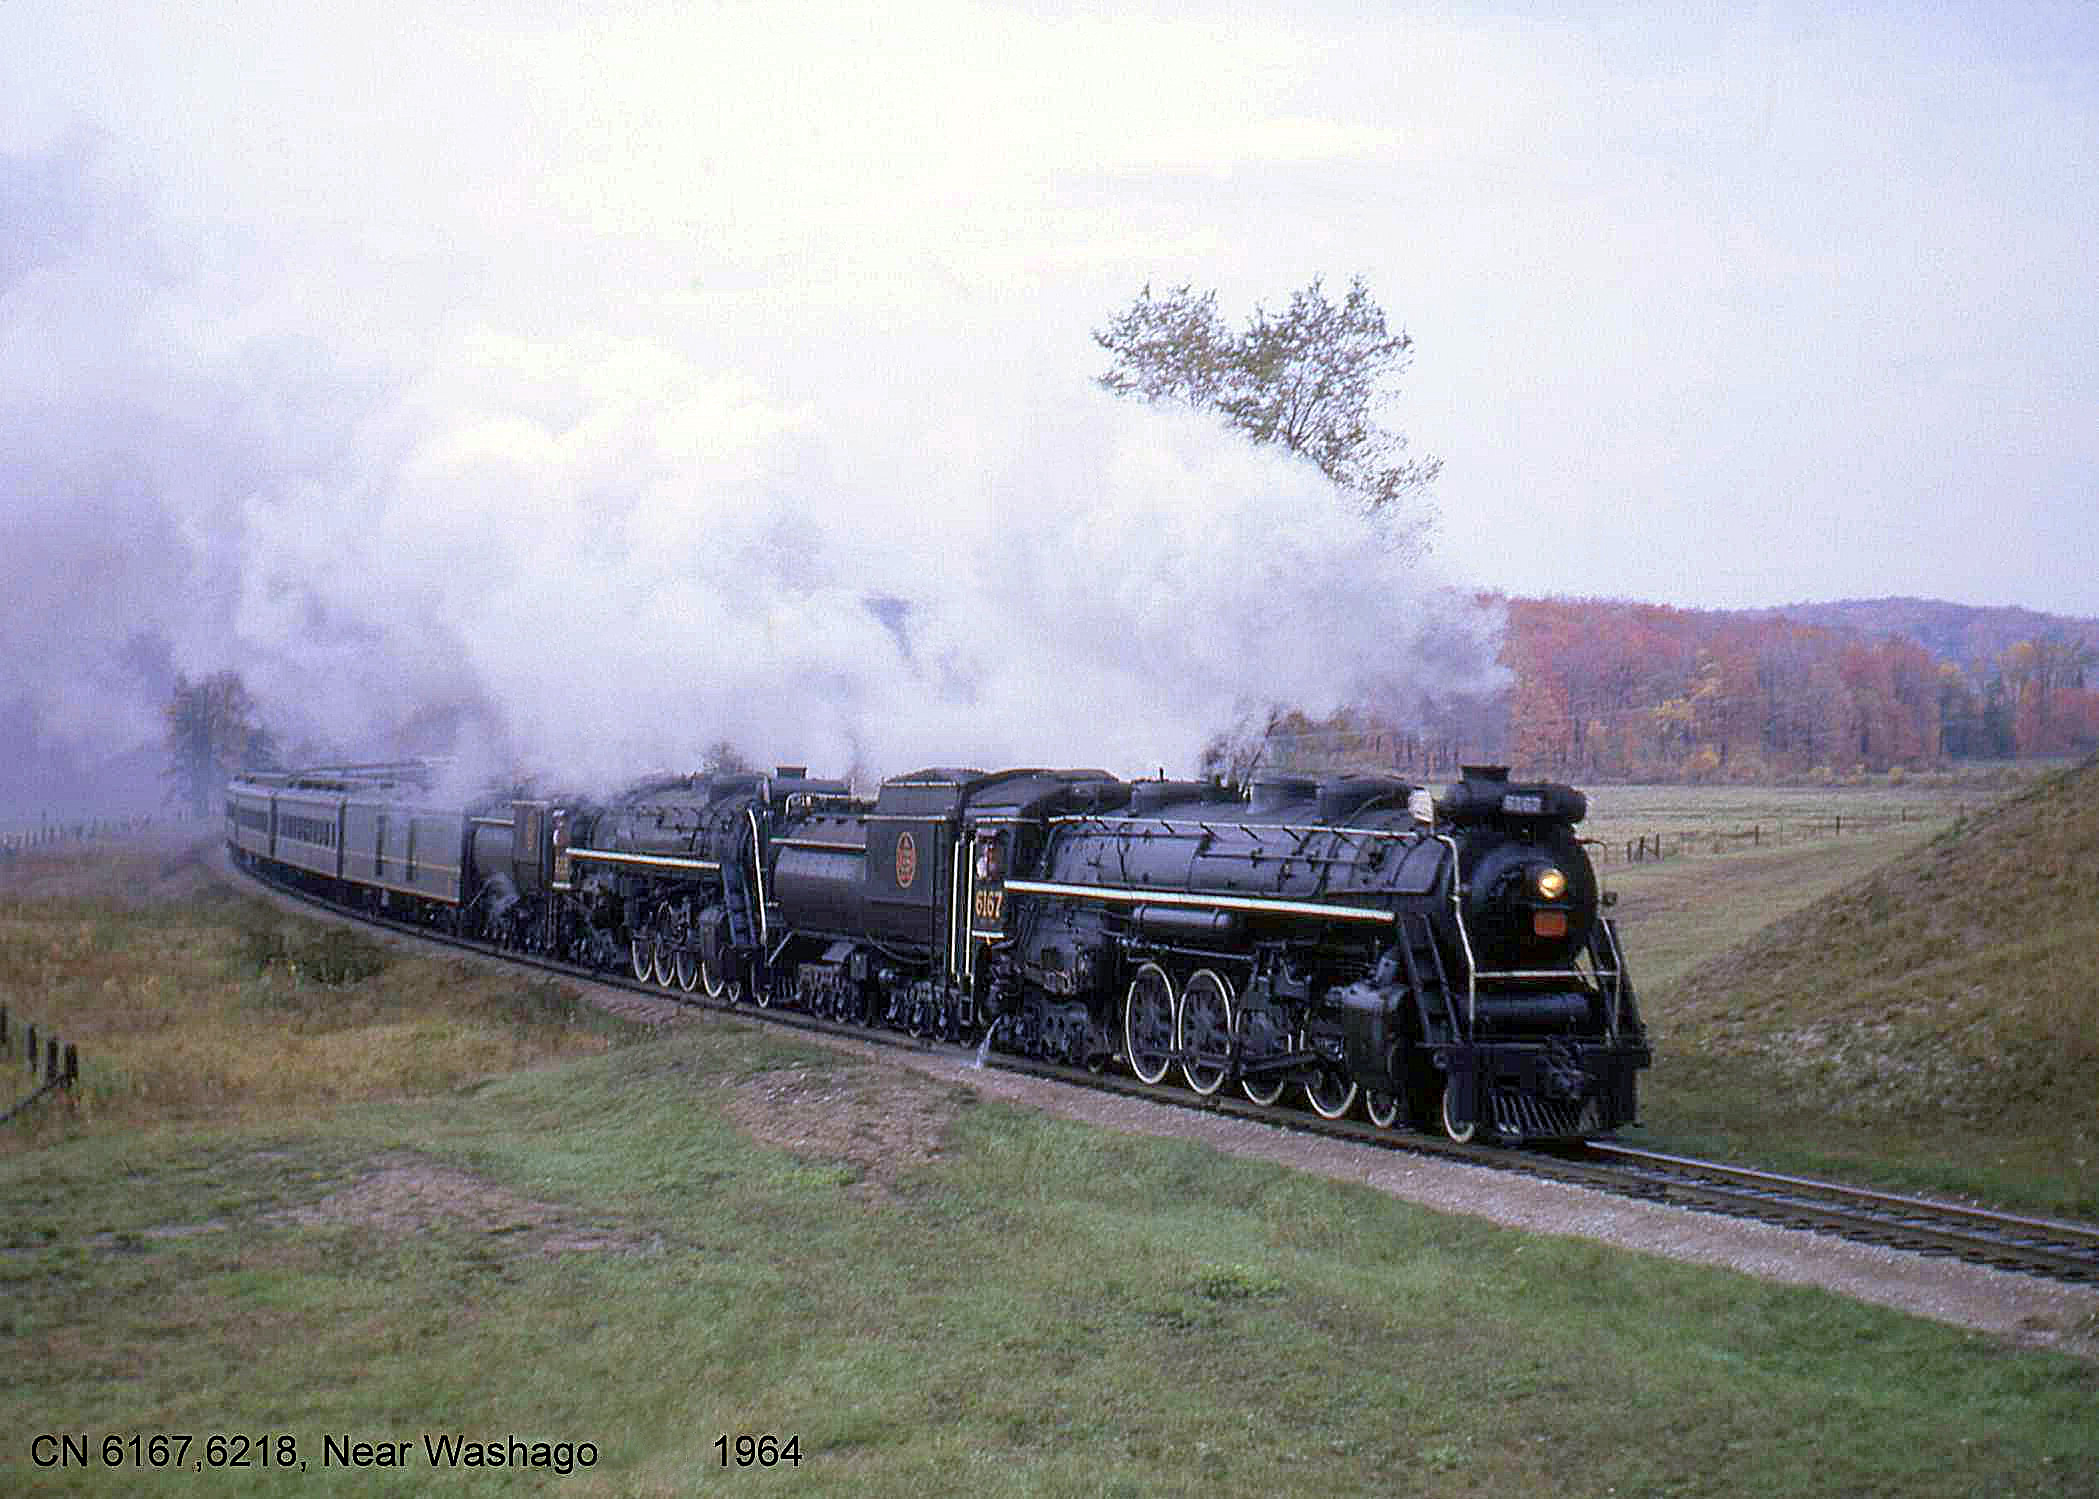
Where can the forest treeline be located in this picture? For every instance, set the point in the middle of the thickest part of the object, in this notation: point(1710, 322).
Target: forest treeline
point(1595, 690)
point(1602, 689)
point(1629, 689)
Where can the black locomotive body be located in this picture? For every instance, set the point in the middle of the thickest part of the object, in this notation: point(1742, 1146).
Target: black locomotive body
point(1443, 959)
point(670, 875)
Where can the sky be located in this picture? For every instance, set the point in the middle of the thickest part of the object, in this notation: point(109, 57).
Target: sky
point(597, 381)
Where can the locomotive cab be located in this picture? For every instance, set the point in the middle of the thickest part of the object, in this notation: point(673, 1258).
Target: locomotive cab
point(990, 858)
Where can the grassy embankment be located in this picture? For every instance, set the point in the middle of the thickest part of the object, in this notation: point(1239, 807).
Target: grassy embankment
point(596, 1251)
point(1916, 1005)
point(190, 999)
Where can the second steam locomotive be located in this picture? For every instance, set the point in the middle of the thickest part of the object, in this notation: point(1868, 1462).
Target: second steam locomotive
point(1445, 960)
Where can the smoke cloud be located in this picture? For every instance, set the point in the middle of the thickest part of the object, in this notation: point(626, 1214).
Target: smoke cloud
point(596, 553)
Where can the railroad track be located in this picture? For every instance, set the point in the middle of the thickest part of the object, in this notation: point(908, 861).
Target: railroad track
point(2049, 1248)
point(2041, 1246)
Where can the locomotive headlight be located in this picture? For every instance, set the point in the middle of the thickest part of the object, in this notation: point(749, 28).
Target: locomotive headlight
point(1552, 884)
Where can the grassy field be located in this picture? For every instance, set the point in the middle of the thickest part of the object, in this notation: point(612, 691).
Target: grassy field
point(190, 999)
point(1715, 890)
point(1786, 815)
point(531, 1224)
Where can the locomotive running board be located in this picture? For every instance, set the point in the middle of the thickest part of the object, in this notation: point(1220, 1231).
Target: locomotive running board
point(1260, 905)
point(644, 861)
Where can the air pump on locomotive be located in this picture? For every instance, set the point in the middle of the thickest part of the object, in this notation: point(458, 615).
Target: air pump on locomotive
point(1442, 958)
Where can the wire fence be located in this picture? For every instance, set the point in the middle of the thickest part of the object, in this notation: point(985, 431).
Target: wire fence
point(1678, 842)
point(63, 833)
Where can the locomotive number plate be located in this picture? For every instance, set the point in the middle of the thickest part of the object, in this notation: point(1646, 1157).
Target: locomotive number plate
point(906, 860)
point(991, 905)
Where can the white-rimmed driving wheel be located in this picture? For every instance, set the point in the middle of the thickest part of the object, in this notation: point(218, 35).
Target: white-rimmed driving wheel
point(1147, 1024)
point(1263, 1040)
point(1203, 1031)
point(685, 963)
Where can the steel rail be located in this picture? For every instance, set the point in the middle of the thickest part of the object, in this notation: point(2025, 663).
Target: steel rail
point(2052, 1246)
point(2049, 1248)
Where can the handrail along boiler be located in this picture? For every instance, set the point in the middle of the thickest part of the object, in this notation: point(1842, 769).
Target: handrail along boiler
point(1443, 959)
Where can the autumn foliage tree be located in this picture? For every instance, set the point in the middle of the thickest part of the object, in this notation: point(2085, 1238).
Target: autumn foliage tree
point(2052, 711)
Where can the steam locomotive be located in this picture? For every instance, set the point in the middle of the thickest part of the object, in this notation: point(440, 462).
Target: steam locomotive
point(1441, 959)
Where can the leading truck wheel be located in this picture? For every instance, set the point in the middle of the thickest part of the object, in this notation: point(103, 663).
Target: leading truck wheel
point(643, 952)
point(1461, 1132)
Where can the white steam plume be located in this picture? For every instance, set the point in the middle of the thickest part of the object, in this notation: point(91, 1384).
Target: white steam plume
point(596, 554)
point(630, 559)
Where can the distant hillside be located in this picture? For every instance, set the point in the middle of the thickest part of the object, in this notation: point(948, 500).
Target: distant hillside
point(1960, 984)
point(1969, 636)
